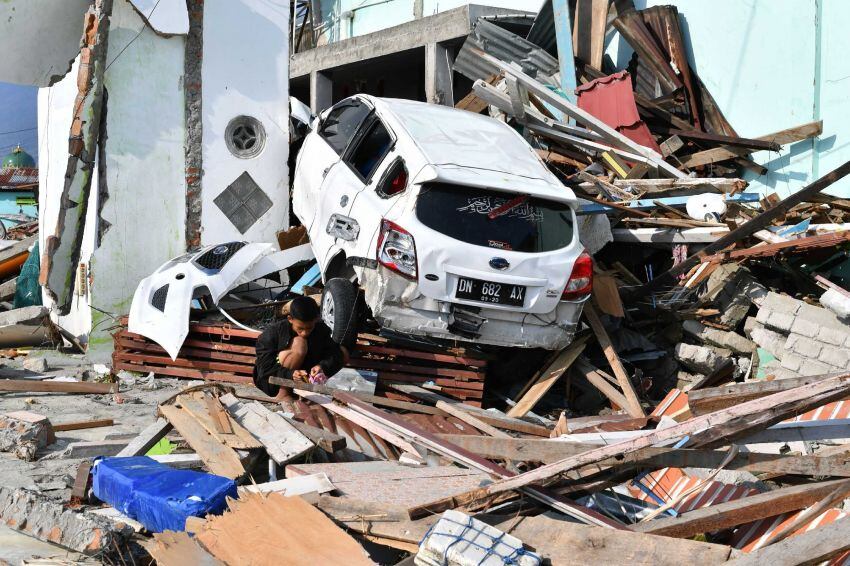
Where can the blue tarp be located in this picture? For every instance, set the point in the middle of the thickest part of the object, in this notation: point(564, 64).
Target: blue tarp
point(159, 497)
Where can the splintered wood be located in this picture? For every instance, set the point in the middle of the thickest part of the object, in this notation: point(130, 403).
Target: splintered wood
point(274, 530)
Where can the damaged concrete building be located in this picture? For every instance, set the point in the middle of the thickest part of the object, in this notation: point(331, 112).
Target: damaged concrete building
point(161, 129)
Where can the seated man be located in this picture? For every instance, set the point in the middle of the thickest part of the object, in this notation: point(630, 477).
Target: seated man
point(297, 348)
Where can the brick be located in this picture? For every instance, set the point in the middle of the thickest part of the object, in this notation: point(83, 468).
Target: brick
point(779, 321)
point(820, 316)
point(771, 341)
point(792, 362)
point(781, 303)
point(832, 336)
point(836, 357)
point(805, 327)
point(814, 367)
point(806, 347)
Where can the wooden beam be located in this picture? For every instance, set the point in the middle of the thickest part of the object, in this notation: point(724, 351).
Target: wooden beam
point(324, 439)
point(745, 230)
point(146, 440)
point(739, 511)
point(717, 428)
point(633, 407)
point(458, 454)
point(37, 386)
point(705, 401)
point(456, 410)
point(782, 137)
point(593, 375)
point(548, 378)
point(79, 425)
point(282, 441)
point(218, 458)
point(809, 548)
point(548, 451)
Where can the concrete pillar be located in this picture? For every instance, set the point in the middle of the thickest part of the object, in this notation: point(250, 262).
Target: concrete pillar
point(438, 74)
point(321, 91)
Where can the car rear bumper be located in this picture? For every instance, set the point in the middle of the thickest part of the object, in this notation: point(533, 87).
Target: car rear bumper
point(397, 305)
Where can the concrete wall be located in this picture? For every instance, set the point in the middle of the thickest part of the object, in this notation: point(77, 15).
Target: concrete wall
point(771, 65)
point(368, 16)
point(143, 205)
point(245, 78)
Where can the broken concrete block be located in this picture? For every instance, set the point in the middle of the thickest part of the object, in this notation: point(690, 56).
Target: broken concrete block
point(773, 342)
point(836, 357)
point(805, 327)
point(31, 513)
point(837, 302)
point(781, 303)
point(777, 320)
point(792, 361)
point(37, 365)
point(720, 338)
point(806, 347)
point(27, 326)
point(699, 359)
point(832, 336)
point(737, 295)
point(24, 433)
point(820, 316)
point(814, 367)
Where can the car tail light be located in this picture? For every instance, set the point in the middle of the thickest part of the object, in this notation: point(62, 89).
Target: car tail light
point(397, 250)
point(581, 279)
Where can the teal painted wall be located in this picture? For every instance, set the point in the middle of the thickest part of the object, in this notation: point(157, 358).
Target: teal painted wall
point(771, 65)
point(8, 205)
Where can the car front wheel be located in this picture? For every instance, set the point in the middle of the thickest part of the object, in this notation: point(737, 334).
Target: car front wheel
point(339, 310)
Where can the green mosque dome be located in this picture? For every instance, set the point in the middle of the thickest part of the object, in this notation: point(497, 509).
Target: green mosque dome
point(18, 159)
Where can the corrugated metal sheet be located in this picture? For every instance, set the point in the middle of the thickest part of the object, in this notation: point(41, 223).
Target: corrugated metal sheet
point(611, 100)
point(542, 32)
point(507, 47)
point(14, 177)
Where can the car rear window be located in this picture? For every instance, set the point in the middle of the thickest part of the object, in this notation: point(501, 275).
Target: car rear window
point(531, 225)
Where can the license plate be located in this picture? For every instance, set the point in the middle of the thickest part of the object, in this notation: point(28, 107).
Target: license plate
point(487, 292)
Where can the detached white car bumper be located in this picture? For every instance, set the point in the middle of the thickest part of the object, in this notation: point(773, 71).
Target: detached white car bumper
point(397, 304)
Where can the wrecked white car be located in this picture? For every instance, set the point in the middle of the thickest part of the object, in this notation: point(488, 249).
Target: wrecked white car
point(162, 301)
point(447, 220)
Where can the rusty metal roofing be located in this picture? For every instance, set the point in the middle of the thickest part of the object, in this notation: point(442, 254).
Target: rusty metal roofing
point(505, 46)
point(611, 100)
point(15, 177)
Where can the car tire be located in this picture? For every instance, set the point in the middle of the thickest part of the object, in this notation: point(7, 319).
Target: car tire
point(339, 310)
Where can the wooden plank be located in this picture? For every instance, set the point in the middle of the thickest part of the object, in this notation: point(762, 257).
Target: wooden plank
point(459, 374)
point(282, 441)
point(357, 419)
point(239, 369)
point(298, 485)
point(419, 355)
point(633, 407)
point(721, 427)
point(490, 417)
point(548, 378)
point(238, 439)
point(146, 439)
point(148, 347)
point(594, 376)
point(79, 425)
point(186, 373)
point(809, 548)
point(745, 230)
point(457, 411)
point(300, 534)
point(218, 458)
point(173, 548)
point(705, 401)
point(782, 137)
point(467, 458)
point(739, 511)
point(324, 439)
point(36, 386)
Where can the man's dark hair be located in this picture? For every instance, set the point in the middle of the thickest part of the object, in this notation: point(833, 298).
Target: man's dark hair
point(304, 309)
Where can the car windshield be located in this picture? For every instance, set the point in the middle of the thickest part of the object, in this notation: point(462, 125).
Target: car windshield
point(494, 219)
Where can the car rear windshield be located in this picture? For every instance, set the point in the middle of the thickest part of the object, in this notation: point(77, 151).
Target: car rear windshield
point(493, 219)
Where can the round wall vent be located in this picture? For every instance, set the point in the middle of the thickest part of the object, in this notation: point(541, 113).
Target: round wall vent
point(245, 137)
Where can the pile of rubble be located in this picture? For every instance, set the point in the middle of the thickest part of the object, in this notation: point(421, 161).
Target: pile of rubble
point(701, 409)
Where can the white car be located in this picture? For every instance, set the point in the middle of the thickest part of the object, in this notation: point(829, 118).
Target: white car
point(447, 220)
